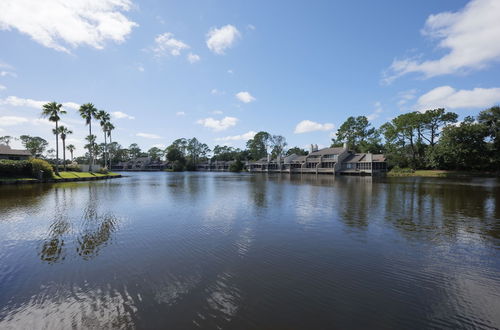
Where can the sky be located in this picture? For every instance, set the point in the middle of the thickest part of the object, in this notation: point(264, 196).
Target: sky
point(221, 71)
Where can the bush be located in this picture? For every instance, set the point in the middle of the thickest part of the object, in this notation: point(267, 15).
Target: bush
point(15, 167)
point(237, 166)
point(178, 166)
point(73, 168)
point(38, 165)
point(404, 170)
point(103, 170)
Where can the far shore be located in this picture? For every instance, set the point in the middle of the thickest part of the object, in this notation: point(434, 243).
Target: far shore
point(442, 174)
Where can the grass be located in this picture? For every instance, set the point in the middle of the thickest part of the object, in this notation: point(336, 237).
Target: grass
point(439, 173)
point(62, 175)
point(76, 175)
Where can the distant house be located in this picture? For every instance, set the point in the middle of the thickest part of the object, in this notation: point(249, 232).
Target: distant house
point(7, 152)
point(140, 164)
point(327, 160)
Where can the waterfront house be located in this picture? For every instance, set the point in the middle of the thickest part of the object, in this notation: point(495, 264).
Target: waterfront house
point(141, 164)
point(338, 160)
point(7, 152)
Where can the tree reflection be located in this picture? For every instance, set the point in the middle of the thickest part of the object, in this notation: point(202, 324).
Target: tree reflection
point(93, 231)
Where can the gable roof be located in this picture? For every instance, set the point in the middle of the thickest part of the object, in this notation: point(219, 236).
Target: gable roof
point(327, 151)
point(6, 150)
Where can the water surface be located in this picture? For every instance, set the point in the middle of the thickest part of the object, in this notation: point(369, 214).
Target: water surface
point(251, 251)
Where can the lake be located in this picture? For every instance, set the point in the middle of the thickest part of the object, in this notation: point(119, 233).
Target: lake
point(251, 251)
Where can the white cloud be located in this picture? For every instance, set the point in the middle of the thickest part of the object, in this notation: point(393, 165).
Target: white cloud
point(22, 102)
point(148, 136)
point(245, 137)
point(251, 27)
point(61, 25)
point(376, 113)
point(450, 98)
point(166, 43)
point(215, 91)
point(471, 35)
point(230, 71)
point(180, 113)
point(218, 125)
point(218, 40)
point(2, 87)
point(306, 126)
point(7, 73)
point(406, 96)
point(217, 112)
point(140, 68)
point(12, 120)
point(193, 58)
point(121, 115)
point(245, 97)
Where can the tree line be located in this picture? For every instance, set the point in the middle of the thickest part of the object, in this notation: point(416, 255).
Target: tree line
point(433, 139)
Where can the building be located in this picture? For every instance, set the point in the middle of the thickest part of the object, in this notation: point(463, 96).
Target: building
point(7, 152)
point(140, 164)
point(216, 165)
point(327, 160)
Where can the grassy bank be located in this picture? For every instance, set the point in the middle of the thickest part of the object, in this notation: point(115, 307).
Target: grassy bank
point(439, 173)
point(63, 176)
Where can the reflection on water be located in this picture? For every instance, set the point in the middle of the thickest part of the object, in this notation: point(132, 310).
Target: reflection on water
point(223, 250)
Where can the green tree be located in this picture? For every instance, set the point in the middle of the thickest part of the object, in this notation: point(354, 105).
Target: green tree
point(490, 118)
point(257, 147)
point(5, 139)
point(358, 134)
point(155, 153)
point(71, 148)
point(34, 144)
point(64, 132)
point(462, 147)
point(176, 156)
point(104, 119)
point(134, 151)
point(195, 151)
point(277, 144)
point(297, 151)
point(53, 112)
point(88, 112)
point(108, 128)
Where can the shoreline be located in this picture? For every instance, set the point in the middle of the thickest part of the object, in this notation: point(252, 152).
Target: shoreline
point(15, 181)
point(443, 174)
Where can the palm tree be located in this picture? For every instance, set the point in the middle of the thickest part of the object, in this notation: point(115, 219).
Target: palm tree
point(71, 148)
point(53, 110)
point(64, 132)
point(108, 128)
point(88, 112)
point(104, 118)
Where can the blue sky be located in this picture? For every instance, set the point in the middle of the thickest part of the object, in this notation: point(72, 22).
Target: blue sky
point(221, 70)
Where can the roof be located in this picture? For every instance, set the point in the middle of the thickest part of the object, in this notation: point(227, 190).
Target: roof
point(299, 159)
point(378, 158)
point(6, 150)
point(355, 158)
point(327, 151)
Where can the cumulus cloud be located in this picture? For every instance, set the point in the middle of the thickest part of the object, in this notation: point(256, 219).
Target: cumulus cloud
point(470, 35)
point(193, 58)
point(245, 97)
point(148, 136)
point(218, 125)
point(166, 44)
point(450, 98)
point(62, 25)
point(12, 120)
point(180, 113)
point(218, 40)
point(306, 126)
point(24, 102)
point(244, 137)
point(121, 115)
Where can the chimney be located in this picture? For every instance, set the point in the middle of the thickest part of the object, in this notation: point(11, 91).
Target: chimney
point(369, 157)
point(345, 145)
point(315, 147)
point(268, 158)
point(311, 149)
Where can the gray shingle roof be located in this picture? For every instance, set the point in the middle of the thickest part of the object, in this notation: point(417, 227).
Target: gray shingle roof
point(6, 150)
point(327, 151)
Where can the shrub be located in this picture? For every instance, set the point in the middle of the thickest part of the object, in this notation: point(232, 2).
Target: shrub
point(15, 167)
point(178, 166)
point(38, 165)
point(103, 170)
point(73, 168)
point(237, 166)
